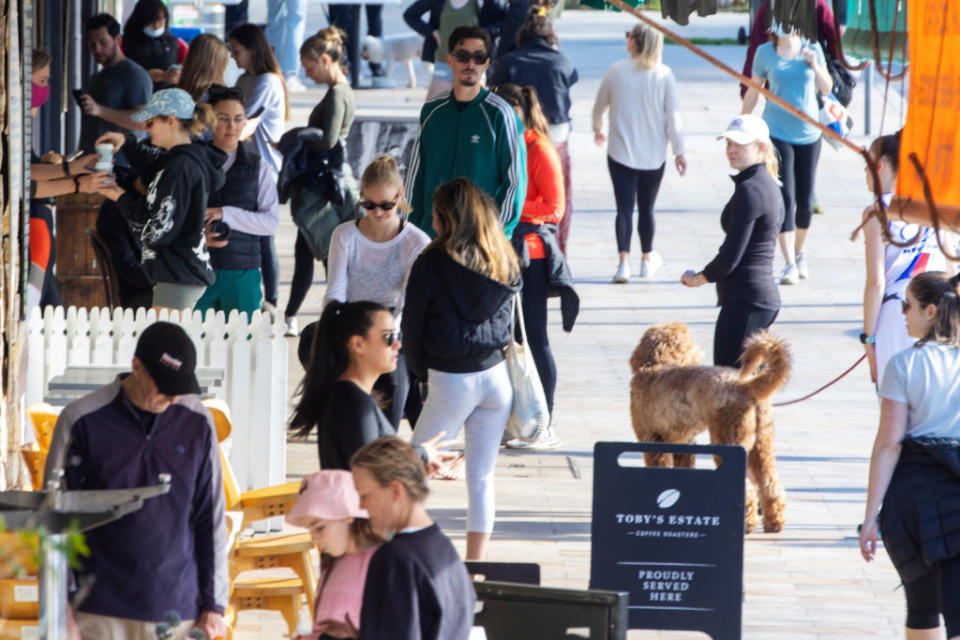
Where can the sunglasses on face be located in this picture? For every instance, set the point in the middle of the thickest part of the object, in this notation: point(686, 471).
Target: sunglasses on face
point(369, 205)
point(463, 56)
point(905, 305)
point(390, 337)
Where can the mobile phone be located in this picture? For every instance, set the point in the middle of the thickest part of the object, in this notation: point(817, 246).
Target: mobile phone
point(73, 156)
point(76, 94)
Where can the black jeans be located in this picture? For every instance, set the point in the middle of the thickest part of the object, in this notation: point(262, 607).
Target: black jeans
point(798, 168)
point(302, 275)
point(269, 269)
point(341, 15)
point(736, 322)
point(634, 187)
point(533, 297)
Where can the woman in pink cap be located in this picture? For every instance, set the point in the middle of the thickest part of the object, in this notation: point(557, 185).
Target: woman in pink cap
point(329, 507)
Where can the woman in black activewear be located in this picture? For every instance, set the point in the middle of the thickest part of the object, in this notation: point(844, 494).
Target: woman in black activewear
point(743, 267)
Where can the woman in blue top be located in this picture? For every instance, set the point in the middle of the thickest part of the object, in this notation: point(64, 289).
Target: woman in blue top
point(795, 71)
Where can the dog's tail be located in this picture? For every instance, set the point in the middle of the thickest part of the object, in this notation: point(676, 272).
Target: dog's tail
point(764, 365)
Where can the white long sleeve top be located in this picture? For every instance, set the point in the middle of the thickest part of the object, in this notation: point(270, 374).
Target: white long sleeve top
point(644, 114)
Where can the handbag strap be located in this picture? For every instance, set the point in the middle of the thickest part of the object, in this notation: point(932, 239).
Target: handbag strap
point(518, 313)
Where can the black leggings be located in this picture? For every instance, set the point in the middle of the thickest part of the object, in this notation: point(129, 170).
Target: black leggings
point(302, 275)
point(393, 388)
point(533, 297)
point(634, 187)
point(936, 592)
point(737, 322)
point(269, 269)
point(798, 168)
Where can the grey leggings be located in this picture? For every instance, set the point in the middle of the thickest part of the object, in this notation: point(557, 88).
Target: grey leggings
point(480, 402)
point(176, 295)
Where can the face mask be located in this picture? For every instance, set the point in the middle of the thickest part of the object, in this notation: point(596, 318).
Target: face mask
point(153, 33)
point(38, 95)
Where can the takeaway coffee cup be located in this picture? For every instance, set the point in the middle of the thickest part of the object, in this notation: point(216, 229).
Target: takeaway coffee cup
point(105, 163)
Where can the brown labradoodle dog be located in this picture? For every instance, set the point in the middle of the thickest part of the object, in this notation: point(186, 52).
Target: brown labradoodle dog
point(673, 398)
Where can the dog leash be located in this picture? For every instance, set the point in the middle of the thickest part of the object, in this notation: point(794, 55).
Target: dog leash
point(829, 384)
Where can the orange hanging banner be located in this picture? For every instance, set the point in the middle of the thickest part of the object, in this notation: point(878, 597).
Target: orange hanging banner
point(932, 130)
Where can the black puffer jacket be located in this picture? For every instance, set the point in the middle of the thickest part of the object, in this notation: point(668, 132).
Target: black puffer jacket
point(169, 219)
point(454, 319)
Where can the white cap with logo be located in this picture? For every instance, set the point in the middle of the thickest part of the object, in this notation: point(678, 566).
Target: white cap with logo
point(746, 129)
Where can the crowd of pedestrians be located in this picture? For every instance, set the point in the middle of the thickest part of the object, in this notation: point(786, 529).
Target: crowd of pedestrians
point(426, 276)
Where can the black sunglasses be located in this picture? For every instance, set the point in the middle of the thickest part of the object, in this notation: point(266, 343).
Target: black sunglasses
point(463, 56)
point(905, 305)
point(369, 205)
point(390, 337)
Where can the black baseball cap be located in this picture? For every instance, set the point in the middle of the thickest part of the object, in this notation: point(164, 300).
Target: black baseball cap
point(170, 358)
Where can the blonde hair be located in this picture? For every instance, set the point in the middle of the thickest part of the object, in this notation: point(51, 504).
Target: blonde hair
point(470, 232)
point(205, 64)
point(40, 59)
point(647, 46)
point(770, 160)
point(330, 41)
point(383, 169)
point(389, 458)
point(203, 118)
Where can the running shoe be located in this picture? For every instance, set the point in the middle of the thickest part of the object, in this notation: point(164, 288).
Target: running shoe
point(293, 328)
point(547, 441)
point(803, 267)
point(649, 268)
point(623, 274)
point(790, 275)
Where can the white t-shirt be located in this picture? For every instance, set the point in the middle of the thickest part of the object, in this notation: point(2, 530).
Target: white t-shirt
point(927, 380)
point(361, 269)
point(644, 114)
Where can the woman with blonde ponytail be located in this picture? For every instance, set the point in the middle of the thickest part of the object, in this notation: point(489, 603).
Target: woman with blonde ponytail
point(370, 259)
point(323, 57)
point(743, 268)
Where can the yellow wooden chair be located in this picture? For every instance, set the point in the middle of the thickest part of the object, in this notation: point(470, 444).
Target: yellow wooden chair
point(44, 419)
point(267, 552)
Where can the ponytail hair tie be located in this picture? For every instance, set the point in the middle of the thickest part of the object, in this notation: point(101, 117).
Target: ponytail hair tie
point(542, 11)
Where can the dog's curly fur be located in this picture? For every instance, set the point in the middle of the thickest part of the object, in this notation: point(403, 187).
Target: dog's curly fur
point(673, 398)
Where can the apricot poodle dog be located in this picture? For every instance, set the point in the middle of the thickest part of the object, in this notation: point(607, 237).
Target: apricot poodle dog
point(673, 398)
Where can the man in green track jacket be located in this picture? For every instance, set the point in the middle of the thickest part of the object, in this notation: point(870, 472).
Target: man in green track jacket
point(468, 132)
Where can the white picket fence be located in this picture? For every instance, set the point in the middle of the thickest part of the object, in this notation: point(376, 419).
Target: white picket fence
point(253, 356)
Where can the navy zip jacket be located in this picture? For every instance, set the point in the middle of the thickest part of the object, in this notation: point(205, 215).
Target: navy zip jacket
point(171, 554)
point(544, 68)
point(454, 319)
point(743, 267)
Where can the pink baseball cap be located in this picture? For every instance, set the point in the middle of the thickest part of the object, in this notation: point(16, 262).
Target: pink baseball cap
point(328, 495)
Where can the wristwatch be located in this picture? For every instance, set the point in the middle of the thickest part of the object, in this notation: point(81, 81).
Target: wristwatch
point(865, 339)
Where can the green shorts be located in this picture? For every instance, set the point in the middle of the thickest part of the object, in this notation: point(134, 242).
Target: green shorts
point(234, 289)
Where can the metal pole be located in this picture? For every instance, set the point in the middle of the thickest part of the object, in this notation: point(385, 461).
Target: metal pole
point(868, 96)
point(53, 589)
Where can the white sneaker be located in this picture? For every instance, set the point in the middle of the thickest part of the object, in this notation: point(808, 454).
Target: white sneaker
point(266, 307)
point(648, 268)
point(790, 275)
point(623, 274)
point(294, 84)
point(547, 441)
point(293, 328)
point(803, 268)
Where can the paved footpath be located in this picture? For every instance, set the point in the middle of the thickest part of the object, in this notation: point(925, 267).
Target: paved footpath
point(805, 582)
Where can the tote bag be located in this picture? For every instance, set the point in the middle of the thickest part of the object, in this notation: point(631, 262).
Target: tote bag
point(529, 417)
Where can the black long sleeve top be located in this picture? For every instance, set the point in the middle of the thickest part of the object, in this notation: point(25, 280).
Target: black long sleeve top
point(751, 219)
point(351, 419)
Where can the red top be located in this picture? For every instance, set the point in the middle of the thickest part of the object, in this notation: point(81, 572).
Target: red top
point(545, 198)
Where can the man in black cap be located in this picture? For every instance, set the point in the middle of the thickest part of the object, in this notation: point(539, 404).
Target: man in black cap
point(171, 554)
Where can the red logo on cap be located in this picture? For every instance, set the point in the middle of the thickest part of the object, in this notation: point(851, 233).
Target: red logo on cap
point(171, 362)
